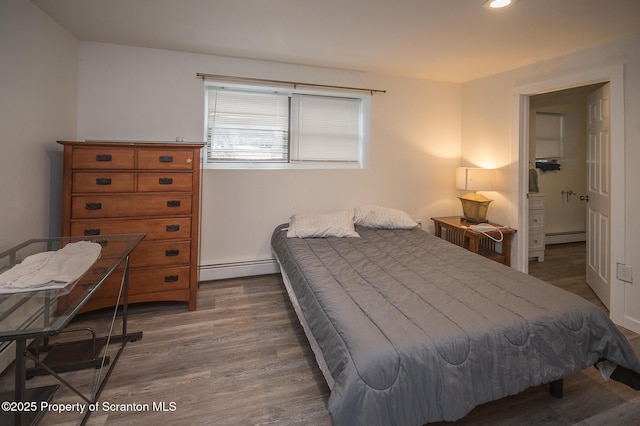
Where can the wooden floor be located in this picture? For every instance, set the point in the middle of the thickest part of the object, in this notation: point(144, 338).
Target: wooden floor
point(242, 359)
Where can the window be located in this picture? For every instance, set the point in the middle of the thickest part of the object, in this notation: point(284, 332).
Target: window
point(253, 126)
point(549, 135)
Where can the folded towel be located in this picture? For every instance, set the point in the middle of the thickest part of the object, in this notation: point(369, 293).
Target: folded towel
point(533, 181)
point(50, 269)
point(547, 166)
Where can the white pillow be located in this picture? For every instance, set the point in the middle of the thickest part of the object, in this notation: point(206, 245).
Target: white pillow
point(373, 216)
point(322, 225)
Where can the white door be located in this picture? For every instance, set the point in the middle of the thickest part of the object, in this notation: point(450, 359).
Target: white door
point(599, 193)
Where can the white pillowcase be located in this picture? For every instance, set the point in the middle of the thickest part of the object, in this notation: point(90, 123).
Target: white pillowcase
point(322, 225)
point(373, 216)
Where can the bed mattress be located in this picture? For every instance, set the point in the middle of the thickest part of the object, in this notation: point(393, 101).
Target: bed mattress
point(413, 329)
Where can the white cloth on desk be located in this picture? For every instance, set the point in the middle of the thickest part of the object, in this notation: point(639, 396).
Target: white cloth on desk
point(50, 269)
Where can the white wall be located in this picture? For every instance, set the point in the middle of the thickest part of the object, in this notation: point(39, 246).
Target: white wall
point(38, 80)
point(137, 93)
point(490, 111)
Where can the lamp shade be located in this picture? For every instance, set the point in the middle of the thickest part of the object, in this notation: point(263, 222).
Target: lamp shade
point(475, 179)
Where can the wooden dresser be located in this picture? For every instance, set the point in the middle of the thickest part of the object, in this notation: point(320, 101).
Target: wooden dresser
point(126, 187)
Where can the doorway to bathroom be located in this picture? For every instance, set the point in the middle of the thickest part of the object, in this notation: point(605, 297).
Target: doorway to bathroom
point(568, 238)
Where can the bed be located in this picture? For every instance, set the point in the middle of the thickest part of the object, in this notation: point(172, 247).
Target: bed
point(410, 329)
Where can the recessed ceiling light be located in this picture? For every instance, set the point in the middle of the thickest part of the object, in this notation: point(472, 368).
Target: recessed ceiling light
point(498, 4)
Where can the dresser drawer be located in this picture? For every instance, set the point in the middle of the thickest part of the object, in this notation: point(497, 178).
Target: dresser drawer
point(536, 202)
point(103, 182)
point(148, 182)
point(146, 280)
point(159, 279)
point(133, 205)
point(536, 220)
point(103, 158)
point(536, 240)
point(161, 253)
point(164, 159)
point(156, 229)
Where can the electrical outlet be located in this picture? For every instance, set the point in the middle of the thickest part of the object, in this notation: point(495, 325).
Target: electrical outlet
point(419, 222)
point(624, 273)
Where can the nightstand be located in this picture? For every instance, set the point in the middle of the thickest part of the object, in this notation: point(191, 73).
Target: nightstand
point(451, 229)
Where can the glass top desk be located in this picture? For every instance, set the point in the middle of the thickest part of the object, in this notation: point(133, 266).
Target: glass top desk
point(45, 313)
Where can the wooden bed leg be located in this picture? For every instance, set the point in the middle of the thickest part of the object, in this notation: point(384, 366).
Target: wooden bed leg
point(555, 388)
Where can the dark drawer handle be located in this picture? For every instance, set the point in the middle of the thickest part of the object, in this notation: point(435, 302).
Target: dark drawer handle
point(103, 157)
point(165, 181)
point(92, 231)
point(171, 252)
point(103, 181)
point(166, 158)
point(172, 228)
point(173, 203)
point(93, 206)
point(170, 278)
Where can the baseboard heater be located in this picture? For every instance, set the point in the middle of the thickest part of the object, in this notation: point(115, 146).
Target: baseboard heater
point(218, 271)
point(565, 237)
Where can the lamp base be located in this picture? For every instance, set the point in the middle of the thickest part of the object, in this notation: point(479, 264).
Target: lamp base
point(474, 220)
point(474, 208)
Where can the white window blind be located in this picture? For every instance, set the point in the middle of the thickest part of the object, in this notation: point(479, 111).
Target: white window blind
point(549, 135)
point(325, 128)
point(247, 126)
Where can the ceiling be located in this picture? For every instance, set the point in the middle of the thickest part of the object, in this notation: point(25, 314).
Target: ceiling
point(449, 40)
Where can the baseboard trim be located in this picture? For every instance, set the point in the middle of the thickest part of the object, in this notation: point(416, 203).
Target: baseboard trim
point(632, 324)
point(565, 237)
point(219, 271)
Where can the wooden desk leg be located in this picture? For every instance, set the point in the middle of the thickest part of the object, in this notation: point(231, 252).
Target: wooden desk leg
point(474, 244)
point(438, 229)
point(506, 249)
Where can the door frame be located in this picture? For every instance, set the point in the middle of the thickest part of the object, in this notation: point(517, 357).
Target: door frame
point(520, 127)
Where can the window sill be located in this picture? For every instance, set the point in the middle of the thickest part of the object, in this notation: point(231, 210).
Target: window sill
point(282, 166)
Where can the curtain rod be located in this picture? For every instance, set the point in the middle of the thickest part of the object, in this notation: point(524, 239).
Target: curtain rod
point(295, 84)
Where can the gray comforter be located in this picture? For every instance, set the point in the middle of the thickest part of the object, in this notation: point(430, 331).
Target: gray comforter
point(414, 329)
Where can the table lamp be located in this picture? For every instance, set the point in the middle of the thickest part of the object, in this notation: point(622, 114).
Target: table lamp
point(475, 206)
